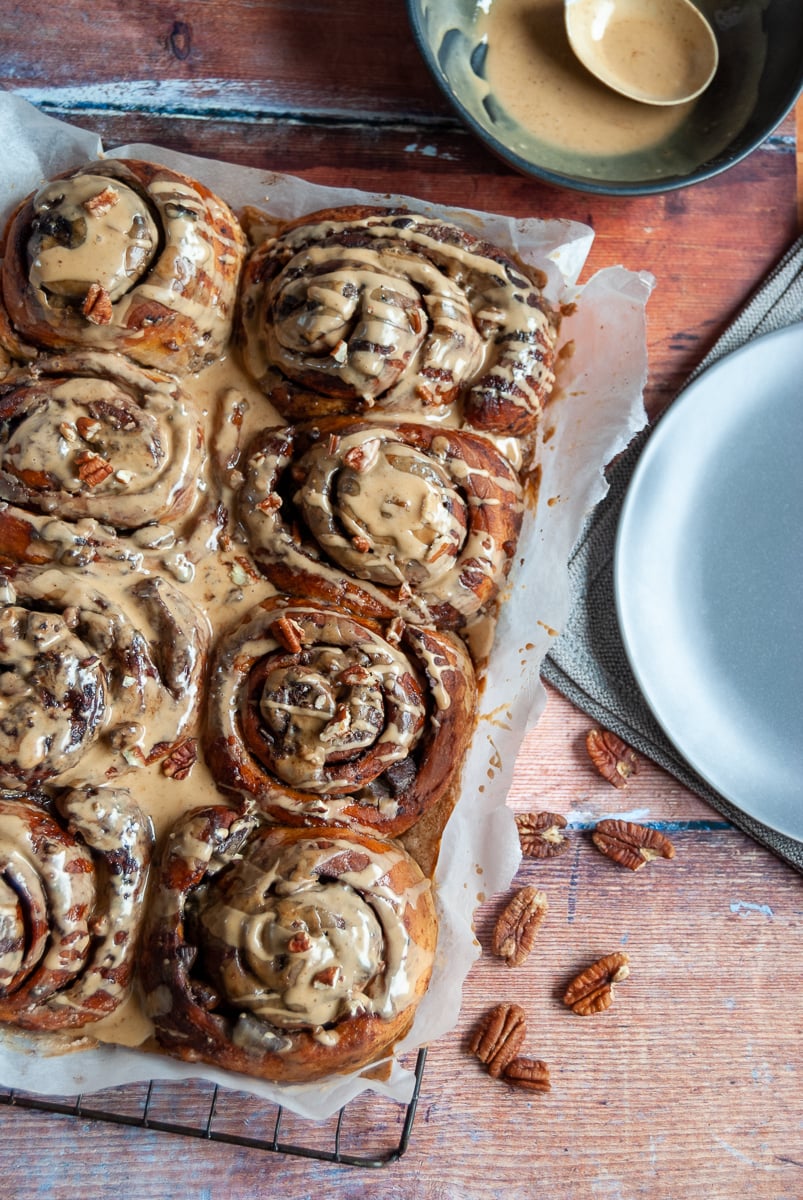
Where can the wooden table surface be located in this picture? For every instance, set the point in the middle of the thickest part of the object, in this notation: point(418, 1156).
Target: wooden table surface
point(690, 1085)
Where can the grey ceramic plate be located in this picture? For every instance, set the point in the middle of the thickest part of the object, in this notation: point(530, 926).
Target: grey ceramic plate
point(709, 577)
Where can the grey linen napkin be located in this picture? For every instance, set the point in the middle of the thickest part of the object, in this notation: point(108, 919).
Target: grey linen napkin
point(588, 663)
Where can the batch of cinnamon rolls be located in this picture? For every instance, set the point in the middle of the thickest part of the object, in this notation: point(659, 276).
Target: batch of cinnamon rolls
point(260, 494)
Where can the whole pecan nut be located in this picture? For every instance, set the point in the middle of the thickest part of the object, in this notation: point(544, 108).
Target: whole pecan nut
point(630, 844)
point(516, 927)
point(499, 1036)
point(529, 1073)
point(592, 990)
point(541, 834)
point(612, 757)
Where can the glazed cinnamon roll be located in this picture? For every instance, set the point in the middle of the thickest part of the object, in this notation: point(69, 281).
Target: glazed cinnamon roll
point(322, 717)
point(360, 308)
point(288, 954)
point(387, 520)
point(72, 885)
point(93, 435)
point(127, 256)
point(98, 675)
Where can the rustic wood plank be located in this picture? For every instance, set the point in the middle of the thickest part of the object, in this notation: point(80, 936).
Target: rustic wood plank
point(250, 59)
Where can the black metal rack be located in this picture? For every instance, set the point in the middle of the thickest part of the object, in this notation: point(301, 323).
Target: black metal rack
point(216, 1114)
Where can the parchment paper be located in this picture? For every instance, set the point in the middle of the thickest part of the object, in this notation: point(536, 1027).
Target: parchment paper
point(596, 411)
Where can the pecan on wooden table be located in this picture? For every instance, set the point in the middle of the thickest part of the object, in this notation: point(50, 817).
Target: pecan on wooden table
point(630, 844)
point(592, 990)
point(499, 1036)
point(612, 757)
point(529, 1073)
point(541, 834)
point(516, 927)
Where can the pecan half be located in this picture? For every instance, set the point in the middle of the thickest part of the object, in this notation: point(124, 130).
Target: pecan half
point(612, 757)
point(541, 834)
point(92, 469)
point(498, 1037)
point(592, 990)
point(529, 1073)
point(629, 844)
point(181, 759)
point(515, 930)
point(288, 633)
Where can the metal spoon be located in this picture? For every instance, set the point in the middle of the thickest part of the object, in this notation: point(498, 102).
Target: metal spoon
point(654, 51)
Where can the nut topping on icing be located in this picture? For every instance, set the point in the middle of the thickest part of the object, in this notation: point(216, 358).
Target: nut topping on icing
point(89, 234)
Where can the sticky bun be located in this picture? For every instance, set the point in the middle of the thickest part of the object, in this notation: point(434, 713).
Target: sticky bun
point(126, 256)
point(92, 686)
point(72, 887)
point(92, 435)
point(360, 308)
point(388, 519)
point(288, 954)
point(321, 717)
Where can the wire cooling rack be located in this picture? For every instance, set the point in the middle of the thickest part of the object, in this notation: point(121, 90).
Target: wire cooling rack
point(369, 1131)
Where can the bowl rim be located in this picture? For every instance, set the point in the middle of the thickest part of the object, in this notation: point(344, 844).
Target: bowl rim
point(723, 162)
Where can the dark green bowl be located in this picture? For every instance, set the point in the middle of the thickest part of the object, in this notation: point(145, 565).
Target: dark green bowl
point(759, 78)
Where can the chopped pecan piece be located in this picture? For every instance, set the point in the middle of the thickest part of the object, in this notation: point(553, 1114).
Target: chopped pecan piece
point(271, 503)
point(299, 942)
point(612, 757)
point(328, 977)
point(541, 834)
point(92, 469)
point(88, 428)
point(97, 306)
point(498, 1037)
point(288, 633)
point(363, 457)
point(181, 759)
point(629, 844)
point(244, 570)
point(515, 930)
point(529, 1073)
point(592, 990)
point(102, 202)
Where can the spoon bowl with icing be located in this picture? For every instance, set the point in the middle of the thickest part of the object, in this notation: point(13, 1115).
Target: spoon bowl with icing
point(508, 70)
point(652, 51)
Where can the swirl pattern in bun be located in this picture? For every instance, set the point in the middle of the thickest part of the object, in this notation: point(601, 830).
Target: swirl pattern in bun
point(127, 256)
point(91, 687)
point(288, 954)
point(321, 717)
point(388, 519)
point(358, 308)
point(72, 886)
point(94, 436)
